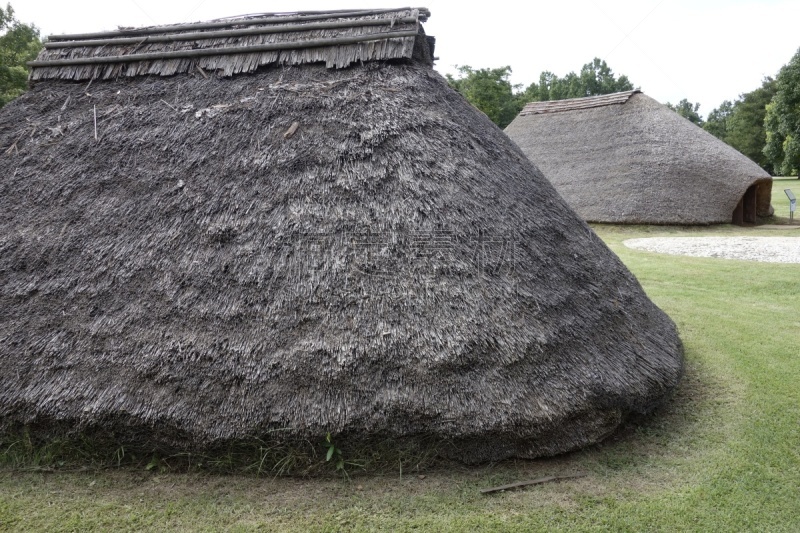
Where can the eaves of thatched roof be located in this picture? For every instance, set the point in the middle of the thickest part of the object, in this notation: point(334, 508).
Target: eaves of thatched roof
point(236, 45)
point(625, 158)
point(193, 260)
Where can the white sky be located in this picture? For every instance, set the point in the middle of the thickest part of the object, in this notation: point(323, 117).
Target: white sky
point(704, 50)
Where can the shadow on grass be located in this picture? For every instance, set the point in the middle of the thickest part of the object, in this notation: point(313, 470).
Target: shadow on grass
point(646, 452)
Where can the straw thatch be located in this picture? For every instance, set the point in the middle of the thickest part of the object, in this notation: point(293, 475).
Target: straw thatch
point(234, 46)
point(306, 250)
point(625, 158)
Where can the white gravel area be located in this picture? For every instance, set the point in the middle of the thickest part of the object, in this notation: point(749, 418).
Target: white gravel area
point(765, 249)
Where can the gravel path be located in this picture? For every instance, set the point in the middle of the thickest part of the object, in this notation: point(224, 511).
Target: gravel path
point(765, 249)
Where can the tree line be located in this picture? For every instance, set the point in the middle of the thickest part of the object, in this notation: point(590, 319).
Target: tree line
point(763, 124)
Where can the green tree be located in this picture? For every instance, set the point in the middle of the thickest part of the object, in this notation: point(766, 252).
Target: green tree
point(688, 110)
point(19, 43)
point(745, 125)
point(717, 122)
point(595, 78)
point(489, 90)
point(782, 121)
point(741, 123)
point(541, 92)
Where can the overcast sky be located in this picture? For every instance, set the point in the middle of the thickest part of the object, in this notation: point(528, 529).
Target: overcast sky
point(704, 50)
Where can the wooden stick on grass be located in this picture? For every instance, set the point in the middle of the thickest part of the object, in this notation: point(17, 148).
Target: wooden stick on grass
point(530, 482)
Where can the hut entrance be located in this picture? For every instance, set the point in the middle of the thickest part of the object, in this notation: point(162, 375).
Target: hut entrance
point(746, 209)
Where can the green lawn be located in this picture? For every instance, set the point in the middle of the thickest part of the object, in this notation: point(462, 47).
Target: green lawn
point(781, 202)
point(723, 455)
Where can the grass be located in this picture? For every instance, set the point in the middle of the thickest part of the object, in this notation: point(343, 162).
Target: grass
point(781, 202)
point(722, 455)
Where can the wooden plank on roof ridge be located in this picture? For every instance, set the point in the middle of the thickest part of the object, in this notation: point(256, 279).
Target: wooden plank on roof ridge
point(569, 101)
point(201, 52)
point(300, 16)
point(196, 36)
point(555, 106)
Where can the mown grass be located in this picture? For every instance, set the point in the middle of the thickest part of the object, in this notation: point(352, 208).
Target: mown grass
point(781, 202)
point(722, 455)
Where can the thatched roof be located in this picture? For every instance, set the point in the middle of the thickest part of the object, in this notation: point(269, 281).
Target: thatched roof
point(236, 45)
point(625, 158)
point(306, 250)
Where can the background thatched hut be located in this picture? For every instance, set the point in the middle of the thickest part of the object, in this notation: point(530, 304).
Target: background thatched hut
point(625, 158)
point(202, 248)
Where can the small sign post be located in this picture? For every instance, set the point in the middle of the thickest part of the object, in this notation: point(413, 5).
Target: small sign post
point(792, 204)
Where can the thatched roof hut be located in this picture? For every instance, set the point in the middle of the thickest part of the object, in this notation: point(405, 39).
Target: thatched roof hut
point(202, 249)
point(624, 158)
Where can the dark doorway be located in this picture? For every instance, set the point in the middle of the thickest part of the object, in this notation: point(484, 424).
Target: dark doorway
point(746, 209)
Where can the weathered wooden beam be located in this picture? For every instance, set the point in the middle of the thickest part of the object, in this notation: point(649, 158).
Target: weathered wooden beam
point(196, 36)
point(204, 52)
point(270, 19)
point(530, 482)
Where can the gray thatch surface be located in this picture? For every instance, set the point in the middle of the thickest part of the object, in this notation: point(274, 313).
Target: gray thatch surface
point(625, 158)
point(234, 46)
point(354, 251)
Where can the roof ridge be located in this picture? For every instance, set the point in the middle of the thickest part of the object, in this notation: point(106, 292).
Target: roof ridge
point(571, 104)
point(239, 44)
point(240, 20)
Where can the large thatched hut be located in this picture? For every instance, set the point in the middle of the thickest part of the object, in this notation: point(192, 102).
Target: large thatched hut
point(291, 225)
point(624, 158)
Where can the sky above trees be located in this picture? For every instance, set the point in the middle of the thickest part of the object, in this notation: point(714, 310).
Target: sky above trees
point(705, 51)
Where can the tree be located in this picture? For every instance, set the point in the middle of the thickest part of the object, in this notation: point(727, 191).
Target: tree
point(489, 90)
point(746, 130)
point(688, 110)
point(19, 43)
point(741, 123)
point(782, 121)
point(595, 78)
point(717, 122)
